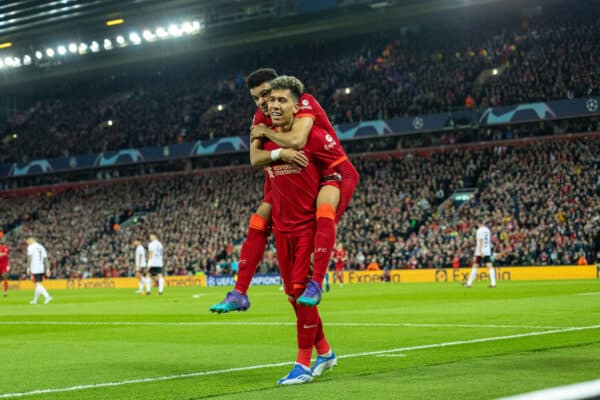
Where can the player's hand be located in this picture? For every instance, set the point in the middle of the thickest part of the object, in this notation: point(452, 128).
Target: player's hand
point(294, 157)
point(258, 132)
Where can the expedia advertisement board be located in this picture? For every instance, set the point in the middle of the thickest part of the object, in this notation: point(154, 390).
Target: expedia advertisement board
point(460, 275)
point(106, 283)
point(451, 275)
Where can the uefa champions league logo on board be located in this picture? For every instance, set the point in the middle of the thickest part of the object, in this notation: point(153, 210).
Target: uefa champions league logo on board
point(418, 123)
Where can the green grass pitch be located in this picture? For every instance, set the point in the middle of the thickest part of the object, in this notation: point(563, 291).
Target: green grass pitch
point(394, 341)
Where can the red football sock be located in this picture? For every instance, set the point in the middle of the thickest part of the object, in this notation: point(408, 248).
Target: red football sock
point(307, 322)
point(324, 241)
point(321, 344)
point(252, 252)
point(5, 285)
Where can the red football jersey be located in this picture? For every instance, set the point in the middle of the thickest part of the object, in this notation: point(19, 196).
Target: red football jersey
point(4, 253)
point(294, 190)
point(339, 256)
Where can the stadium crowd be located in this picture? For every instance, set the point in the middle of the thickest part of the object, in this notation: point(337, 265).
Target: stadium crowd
point(391, 74)
point(541, 200)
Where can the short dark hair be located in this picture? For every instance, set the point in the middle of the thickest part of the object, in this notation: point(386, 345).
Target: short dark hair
point(291, 83)
point(260, 76)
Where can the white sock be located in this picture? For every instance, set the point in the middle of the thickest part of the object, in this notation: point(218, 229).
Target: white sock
point(141, 285)
point(161, 284)
point(492, 272)
point(43, 291)
point(36, 293)
point(148, 284)
point(472, 276)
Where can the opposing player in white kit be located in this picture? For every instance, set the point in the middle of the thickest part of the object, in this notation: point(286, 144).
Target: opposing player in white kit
point(140, 264)
point(483, 255)
point(37, 260)
point(155, 264)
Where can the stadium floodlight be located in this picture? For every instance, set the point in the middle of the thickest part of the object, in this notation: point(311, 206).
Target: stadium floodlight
point(50, 52)
point(110, 123)
point(135, 38)
point(347, 90)
point(187, 27)
point(14, 136)
point(8, 61)
point(107, 44)
point(1, 63)
point(39, 55)
point(196, 26)
point(120, 40)
point(495, 71)
point(220, 107)
point(26, 59)
point(62, 50)
point(95, 47)
point(73, 47)
point(174, 30)
point(82, 48)
point(161, 32)
point(16, 62)
point(148, 35)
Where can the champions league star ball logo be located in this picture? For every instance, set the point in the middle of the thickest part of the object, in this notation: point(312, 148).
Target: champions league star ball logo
point(418, 123)
point(591, 105)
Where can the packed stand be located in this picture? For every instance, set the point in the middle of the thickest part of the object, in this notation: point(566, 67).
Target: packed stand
point(553, 56)
point(542, 201)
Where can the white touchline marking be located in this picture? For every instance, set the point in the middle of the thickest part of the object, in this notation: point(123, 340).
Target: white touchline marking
point(588, 294)
point(244, 323)
point(280, 364)
point(584, 390)
point(390, 355)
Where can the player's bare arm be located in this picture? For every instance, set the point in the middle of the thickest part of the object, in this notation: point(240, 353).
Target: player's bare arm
point(260, 157)
point(295, 138)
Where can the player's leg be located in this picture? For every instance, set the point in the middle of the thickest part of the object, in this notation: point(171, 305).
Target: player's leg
point(492, 273)
point(140, 276)
point(293, 253)
point(254, 246)
point(326, 282)
point(36, 291)
point(148, 280)
point(473, 274)
point(161, 282)
point(327, 202)
point(5, 283)
point(250, 256)
point(40, 289)
point(339, 272)
point(44, 292)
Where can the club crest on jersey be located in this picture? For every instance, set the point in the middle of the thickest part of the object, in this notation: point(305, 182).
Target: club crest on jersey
point(305, 105)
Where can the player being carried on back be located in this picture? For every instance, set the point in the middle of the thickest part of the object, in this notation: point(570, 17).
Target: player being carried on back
point(337, 186)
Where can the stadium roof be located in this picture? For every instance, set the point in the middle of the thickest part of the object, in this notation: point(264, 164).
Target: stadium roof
point(30, 27)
